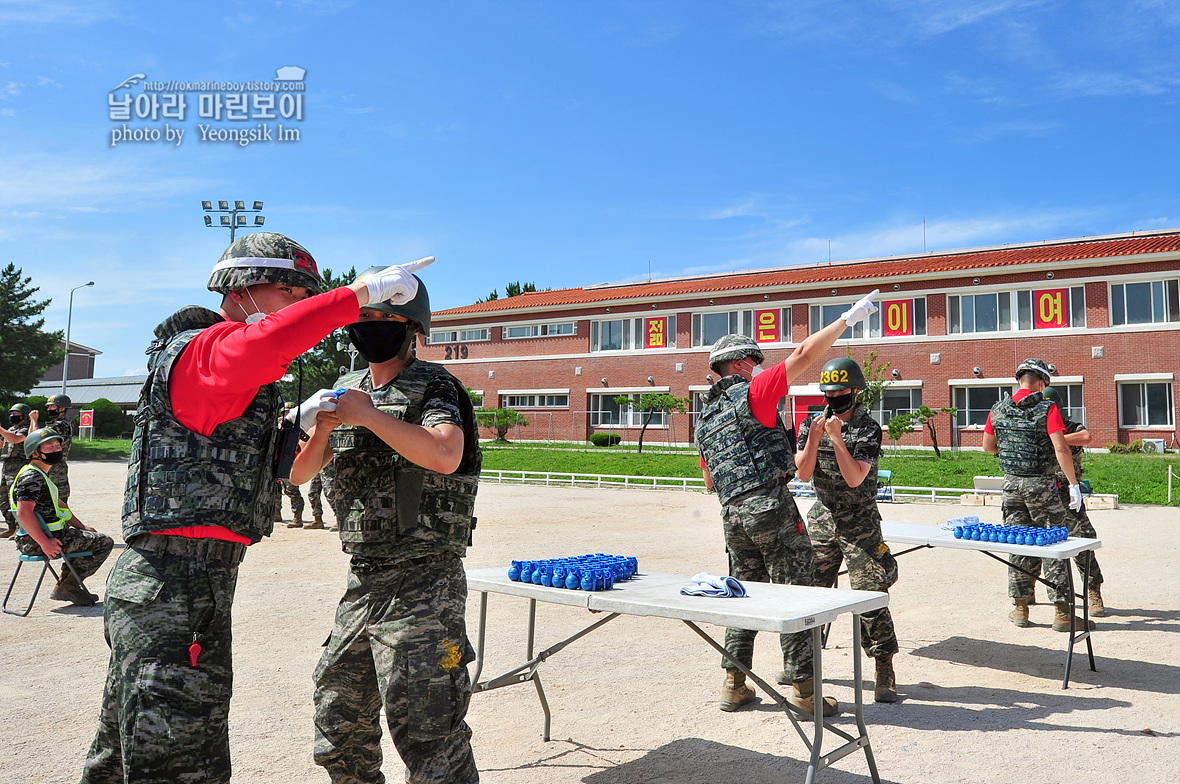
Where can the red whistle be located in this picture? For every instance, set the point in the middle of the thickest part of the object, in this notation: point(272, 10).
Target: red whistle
point(194, 651)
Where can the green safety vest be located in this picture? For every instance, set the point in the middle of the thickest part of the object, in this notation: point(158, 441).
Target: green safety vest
point(61, 515)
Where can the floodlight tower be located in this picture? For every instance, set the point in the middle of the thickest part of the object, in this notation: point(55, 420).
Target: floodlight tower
point(232, 219)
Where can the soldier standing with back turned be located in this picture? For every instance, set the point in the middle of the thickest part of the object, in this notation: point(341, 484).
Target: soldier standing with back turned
point(1026, 431)
point(838, 452)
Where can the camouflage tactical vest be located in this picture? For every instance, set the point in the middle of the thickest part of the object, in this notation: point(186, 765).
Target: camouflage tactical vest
point(180, 478)
point(13, 455)
point(741, 453)
point(830, 487)
point(388, 507)
point(1022, 435)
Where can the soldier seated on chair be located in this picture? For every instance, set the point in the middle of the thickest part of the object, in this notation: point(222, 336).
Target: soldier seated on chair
point(34, 494)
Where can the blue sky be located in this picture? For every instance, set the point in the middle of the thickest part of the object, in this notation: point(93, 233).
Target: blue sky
point(572, 143)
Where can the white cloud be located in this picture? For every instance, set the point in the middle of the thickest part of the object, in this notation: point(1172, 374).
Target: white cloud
point(79, 12)
point(11, 89)
point(139, 371)
point(58, 183)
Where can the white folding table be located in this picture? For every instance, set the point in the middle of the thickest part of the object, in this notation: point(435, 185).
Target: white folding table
point(923, 536)
point(766, 608)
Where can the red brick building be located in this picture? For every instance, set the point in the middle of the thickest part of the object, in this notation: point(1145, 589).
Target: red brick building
point(1104, 311)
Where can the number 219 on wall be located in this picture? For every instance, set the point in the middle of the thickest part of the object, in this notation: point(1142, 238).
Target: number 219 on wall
point(897, 317)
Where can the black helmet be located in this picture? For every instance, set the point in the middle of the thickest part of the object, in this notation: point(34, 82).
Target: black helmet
point(21, 408)
point(265, 257)
point(1053, 396)
point(1036, 366)
point(841, 373)
point(416, 310)
point(39, 437)
point(61, 401)
point(731, 348)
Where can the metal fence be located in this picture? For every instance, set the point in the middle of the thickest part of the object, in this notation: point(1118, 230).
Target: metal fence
point(673, 429)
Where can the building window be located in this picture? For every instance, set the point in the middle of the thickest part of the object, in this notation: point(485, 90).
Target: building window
point(516, 331)
point(898, 318)
point(975, 403)
point(896, 401)
point(979, 312)
point(616, 334)
point(1051, 308)
point(1145, 405)
point(708, 328)
point(534, 401)
point(822, 315)
point(1075, 408)
point(658, 332)
point(1145, 303)
point(606, 412)
point(458, 335)
point(476, 396)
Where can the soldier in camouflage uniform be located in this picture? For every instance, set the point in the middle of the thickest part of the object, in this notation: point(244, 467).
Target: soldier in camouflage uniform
point(746, 457)
point(1027, 433)
point(406, 450)
point(1078, 522)
point(200, 489)
point(57, 410)
point(20, 418)
point(838, 452)
point(33, 495)
point(290, 490)
point(319, 489)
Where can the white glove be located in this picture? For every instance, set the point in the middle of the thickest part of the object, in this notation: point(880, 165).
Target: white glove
point(312, 406)
point(861, 310)
point(1075, 497)
point(396, 284)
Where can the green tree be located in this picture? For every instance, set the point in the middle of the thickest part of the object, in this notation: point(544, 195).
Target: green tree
point(500, 420)
point(875, 380)
point(650, 403)
point(513, 289)
point(322, 363)
point(25, 351)
point(925, 416)
point(108, 418)
point(898, 426)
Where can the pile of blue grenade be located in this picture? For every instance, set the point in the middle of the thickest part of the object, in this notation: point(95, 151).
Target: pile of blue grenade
point(591, 572)
point(1012, 534)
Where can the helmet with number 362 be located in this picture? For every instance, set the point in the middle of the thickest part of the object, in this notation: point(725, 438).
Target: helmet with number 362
point(841, 373)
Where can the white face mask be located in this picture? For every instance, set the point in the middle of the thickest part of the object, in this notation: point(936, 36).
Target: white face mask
point(755, 370)
point(257, 315)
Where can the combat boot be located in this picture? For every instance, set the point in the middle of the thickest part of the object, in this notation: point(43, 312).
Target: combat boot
point(885, 689)
point(1061, 619)
point(1094, 597)
point(802, 696)
point(1019, 614)
point(734, 692)
point(69, 590)
point(278, 515)
point(319, 522)
point(10, 532)
point(297, 522)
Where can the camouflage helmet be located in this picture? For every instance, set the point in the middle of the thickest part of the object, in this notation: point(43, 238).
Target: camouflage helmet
point(841, 373)
point(265, 257)
point(416, 310)
point(21, 408)
point(733, 347)
point(61, 401)
point(1037, 366)
point(39, 437)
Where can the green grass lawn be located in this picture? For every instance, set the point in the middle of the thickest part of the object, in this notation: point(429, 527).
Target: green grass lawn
point(1138, 479)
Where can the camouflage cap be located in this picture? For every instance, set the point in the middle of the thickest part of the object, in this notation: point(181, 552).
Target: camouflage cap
point(61, 401)
point(1037, 366)
point(732, 347)
point(265, 257)
point(39, 437)
point(22, 408)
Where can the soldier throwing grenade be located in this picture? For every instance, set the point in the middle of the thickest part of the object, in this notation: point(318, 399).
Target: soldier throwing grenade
point(838, 452)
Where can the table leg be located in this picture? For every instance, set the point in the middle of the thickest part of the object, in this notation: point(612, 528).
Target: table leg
point(1086, 609)
point(536, 676)
point(817, 673)
point(479, 644)
point(859, 691)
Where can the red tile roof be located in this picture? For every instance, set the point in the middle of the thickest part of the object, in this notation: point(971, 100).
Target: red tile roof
point(931, 263)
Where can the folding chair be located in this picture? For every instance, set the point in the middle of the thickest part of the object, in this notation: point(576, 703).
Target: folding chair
point(884, 485)
point(45, 565)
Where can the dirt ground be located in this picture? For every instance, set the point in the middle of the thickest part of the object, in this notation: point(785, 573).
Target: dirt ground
point(637, 700)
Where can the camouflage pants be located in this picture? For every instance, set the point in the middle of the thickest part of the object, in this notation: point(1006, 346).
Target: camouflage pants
point(1033, 501)
point(6, 478)
point(60, 475)
point(400, 642)
point(162, 719)
point(1079, 524)
point(856, 536)
point(292, 493)
point(766, 543)
point(75, 540)
point(321, 485)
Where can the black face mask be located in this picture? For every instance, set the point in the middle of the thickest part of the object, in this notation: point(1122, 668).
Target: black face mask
point(841, 403)
point(15, 419)
point(51, 416)
point(381, 341)
point(52, 458)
